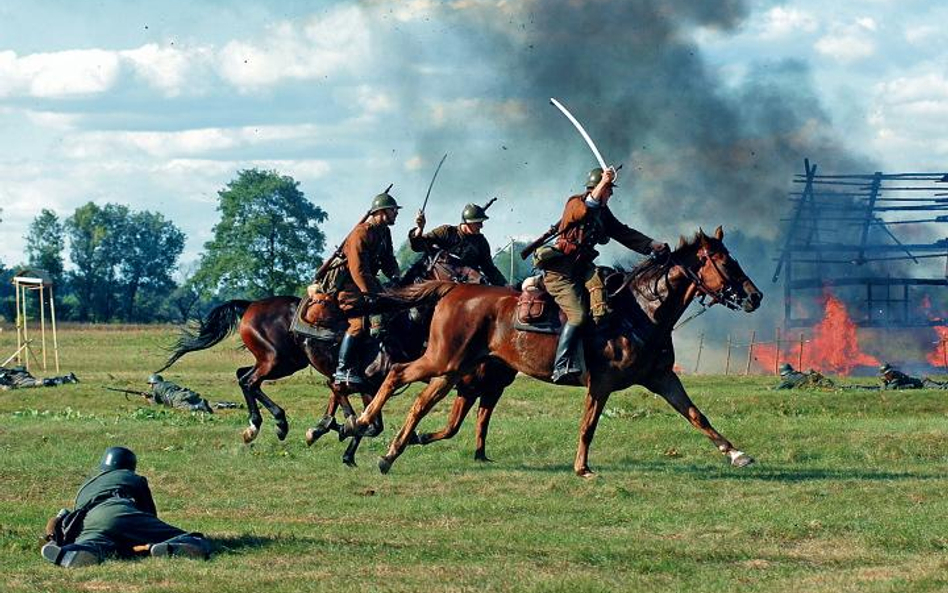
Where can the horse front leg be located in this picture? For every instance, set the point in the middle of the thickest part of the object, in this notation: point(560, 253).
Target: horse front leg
point(462, 405)
point(669, 387)
point(484, 412)
point(327, 422)
point(432, 394)
point(401, 374)
point(595, 403)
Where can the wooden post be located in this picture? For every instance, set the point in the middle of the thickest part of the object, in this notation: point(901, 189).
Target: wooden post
point(43, 324)
point(800, 361)
point(750, 352)
point(777, 354)
point(513, 261)
point(19, 323)
point(727, 361)
point(26, 336)
point(700, 346)
point(52, 316)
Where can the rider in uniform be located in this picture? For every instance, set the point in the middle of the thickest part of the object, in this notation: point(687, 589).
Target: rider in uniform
point(464, 243)
point(366, 251)
point(569, 266)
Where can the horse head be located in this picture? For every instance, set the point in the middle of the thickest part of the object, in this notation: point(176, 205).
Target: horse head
point(715, 274)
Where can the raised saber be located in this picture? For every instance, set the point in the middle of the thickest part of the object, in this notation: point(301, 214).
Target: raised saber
point(582, 132)
point(430, 185)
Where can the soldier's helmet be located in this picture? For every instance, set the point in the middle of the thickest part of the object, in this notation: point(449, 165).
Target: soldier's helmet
point(154, 378)
point(884, 368)
point(474, 213)
point(785, 369)
point(594, 177)
point(118, 458)
point(383, 201)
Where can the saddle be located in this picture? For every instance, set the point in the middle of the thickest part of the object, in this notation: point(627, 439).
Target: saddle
point(536, 310)
point(318, 316)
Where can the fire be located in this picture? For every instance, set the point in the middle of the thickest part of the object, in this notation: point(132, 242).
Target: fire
point(833, 347)
point(939, 356)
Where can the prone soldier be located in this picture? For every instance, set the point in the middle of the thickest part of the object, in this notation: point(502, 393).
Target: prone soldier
point(20, 378)
point(794, 379)
point(892, 378)
point(117, 517)
point(173, 395)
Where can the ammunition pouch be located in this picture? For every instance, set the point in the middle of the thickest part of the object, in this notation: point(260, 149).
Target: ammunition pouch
point(545, 255)
point(532, 303)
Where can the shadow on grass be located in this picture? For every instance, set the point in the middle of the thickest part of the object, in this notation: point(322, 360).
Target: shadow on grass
point(757, 472)
point(239, 543)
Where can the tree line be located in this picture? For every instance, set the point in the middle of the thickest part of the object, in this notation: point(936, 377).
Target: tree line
point(125, 264)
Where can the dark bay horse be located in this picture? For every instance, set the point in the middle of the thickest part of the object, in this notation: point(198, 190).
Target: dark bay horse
point(474, 322)
point(264, 328)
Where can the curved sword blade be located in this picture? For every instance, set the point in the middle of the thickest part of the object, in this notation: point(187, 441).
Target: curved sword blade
point(430, 185)
point(582, 132)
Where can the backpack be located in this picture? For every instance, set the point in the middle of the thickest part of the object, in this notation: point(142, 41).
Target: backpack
point(66, 526)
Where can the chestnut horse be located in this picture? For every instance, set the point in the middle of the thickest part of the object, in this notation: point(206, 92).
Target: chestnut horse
point(264, 328)
point(474, 322)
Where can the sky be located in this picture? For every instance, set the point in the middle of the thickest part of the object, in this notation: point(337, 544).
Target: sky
point(710, 107)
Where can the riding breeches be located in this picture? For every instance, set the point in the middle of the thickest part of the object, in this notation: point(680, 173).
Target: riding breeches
point(569, 288)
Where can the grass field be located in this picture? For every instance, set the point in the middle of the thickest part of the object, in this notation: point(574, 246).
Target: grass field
point(848, 493)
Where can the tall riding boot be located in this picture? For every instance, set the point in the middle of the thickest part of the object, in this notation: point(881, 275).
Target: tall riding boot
point(348, 372)
point(567, 366)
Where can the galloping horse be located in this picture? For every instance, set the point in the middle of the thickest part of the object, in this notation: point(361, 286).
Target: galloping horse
point(474, 322)
point(264, 328)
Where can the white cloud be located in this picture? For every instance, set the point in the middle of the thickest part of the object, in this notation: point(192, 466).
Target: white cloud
point(782, 22)
point(58, 74)
point(415, 163)
point(848, 43)
point(909, 118)
point(169, 69)
point(322, 46)
point(922, 34)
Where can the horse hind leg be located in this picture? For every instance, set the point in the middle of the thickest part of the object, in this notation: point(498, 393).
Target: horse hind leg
point(669, 387)
point(462, 405)
point(484, 413)
point(432, 394)
point(253, 410)
point(377, 426)
point(327, 422)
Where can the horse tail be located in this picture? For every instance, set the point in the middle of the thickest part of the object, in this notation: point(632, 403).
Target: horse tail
point(219, 323)
point(415, 295)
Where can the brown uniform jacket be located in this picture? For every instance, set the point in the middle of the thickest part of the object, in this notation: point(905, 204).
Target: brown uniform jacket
point(597, 226)
point(470, 250)
point(368, 250)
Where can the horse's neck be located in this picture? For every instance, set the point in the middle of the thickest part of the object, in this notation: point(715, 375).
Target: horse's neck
point(664, 295)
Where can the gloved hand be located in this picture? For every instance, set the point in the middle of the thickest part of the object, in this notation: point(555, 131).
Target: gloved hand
point(375, 326)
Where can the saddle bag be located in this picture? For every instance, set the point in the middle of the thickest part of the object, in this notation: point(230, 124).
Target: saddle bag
point(322, 309)
point(531, 304)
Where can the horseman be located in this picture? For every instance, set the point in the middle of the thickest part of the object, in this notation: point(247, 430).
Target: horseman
point(464, 243)
point(569, 266)
point(366, 251)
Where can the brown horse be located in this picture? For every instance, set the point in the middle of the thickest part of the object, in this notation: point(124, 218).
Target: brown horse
point(264, 328)
point(474, 322)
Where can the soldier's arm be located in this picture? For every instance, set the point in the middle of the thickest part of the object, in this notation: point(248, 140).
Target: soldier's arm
point(143, 498)
point(356, 245)
point(626, 235)
point(389, 263)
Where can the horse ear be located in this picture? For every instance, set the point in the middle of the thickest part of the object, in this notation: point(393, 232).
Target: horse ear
point(719, 233)
point(682, 241)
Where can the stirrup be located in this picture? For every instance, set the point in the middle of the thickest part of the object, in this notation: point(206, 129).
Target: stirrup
point(348, 378)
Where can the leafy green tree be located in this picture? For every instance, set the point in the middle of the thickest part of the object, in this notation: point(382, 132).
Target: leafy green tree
point(151, 246)
point(268, 240)
point(44, 244)
point(96, 239)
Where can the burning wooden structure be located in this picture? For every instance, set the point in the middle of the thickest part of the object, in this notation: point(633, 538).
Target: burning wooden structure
point(873, 239)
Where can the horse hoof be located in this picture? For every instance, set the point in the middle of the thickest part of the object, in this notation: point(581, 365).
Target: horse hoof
point(384, 465)
point(483, 458)
point(314, 434)
point(282, 430)
point(586, 473)
point(741, 459)
point(249, 434)
point(349, 461)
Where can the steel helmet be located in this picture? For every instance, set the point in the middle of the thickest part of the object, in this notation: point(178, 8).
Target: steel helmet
point(155, 378)
point(884, 368)
point(594, 177)
point(383, 201)
point(118, 458)
point(785, 369)
point(474, 213)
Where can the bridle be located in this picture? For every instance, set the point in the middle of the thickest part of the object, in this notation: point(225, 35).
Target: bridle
point(726, 295)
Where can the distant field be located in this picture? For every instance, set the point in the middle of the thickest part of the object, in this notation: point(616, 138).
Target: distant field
point(848, 493)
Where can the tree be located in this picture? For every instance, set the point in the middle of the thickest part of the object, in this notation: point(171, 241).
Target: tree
point(521, 269)
point(44, 244)
point(268, 239)
point(96, 238)
point(151, 246)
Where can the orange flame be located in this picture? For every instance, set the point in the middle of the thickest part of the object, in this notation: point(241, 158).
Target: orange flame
point(939, 356)
point(833, 347)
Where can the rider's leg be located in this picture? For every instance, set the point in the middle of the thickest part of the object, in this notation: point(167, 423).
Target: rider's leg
point(568, 294)
point(348, 371)
point(595, 285)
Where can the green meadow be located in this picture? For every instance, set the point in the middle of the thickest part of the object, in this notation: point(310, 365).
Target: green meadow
point(848, 492)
